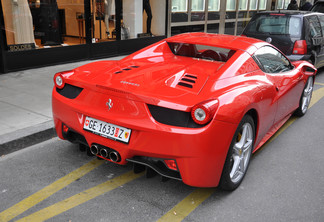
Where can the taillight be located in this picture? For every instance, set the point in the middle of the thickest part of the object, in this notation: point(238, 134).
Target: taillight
point(300, 47)
point(203, 112)
point(60, 76)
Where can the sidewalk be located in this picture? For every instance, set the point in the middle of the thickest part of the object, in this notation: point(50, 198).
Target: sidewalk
point(25, 106)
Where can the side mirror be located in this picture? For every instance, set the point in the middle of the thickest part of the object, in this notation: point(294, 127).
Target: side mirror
point(305, 67)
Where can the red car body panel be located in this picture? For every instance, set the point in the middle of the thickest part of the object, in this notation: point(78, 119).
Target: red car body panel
point(151, 76)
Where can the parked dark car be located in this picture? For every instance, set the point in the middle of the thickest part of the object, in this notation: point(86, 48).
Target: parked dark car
point(298, 34)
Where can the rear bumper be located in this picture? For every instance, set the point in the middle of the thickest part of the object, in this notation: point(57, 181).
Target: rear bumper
point(199, 153)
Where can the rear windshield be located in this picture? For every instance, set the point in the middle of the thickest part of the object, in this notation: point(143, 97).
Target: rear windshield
point(201, 51)
point(275, 24)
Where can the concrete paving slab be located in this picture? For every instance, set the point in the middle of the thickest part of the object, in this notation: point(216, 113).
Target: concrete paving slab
point(31, 104)
point(25, 106)
point(7, 92)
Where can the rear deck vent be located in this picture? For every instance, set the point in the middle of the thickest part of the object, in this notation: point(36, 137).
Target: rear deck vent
point(126, 69)
point(185, 84)
point(191, 76)
point(188, 80)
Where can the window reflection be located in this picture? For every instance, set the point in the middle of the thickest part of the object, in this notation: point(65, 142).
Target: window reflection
point(253, 4)
point(197, 10)
point(213, 28)
point(197, 5)
point(213, 9)
point(230, 28)
point(230, 5)
point(263, 5)
point(213, 5)
point(179, 10)
point(283, 4)
point(243, 4)
point(179, 6)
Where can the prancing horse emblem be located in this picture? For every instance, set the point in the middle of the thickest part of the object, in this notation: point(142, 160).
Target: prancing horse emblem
point(109, 104)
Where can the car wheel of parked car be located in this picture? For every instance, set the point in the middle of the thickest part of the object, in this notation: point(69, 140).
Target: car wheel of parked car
point(305, 97)
point(239, 155)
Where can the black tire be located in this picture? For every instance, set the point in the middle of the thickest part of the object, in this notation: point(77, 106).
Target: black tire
point(233, 176)
point(305, 97)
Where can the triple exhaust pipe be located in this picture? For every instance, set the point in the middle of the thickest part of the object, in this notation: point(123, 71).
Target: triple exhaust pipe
point(106, 153)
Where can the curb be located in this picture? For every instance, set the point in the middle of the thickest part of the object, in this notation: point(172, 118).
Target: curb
point(29, 136)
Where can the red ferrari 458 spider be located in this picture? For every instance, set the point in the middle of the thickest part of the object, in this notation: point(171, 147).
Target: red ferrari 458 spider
point(192, 107)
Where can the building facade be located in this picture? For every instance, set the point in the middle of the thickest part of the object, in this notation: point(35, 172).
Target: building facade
point(36, 33)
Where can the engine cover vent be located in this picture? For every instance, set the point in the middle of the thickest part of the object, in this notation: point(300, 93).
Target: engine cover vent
point(188, 81)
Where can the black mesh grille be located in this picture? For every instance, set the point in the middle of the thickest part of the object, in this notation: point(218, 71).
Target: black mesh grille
point(69, 91)
point(172, 117)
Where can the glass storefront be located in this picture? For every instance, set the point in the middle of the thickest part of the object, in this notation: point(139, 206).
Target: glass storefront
point(215, 16)
point(143, 18)
point(83, 29)
point(42, 32)
point(37, 24)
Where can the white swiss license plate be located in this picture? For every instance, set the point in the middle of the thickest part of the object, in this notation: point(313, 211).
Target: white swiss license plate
point(107, 130)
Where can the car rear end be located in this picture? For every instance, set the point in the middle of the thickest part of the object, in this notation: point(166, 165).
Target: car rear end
point(283, 30)
point(121, 112)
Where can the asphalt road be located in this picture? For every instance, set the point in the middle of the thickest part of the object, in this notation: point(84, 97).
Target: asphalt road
point(54, 181)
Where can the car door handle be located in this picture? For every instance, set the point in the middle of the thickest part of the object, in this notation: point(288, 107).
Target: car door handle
point(277, 89)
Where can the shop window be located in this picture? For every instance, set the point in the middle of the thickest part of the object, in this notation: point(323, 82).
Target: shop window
point(283, 4)
point(197, 5)
point(263, 5)
point(253, 4)
point(182, 29)
point(213, 10)
point(231, 9)
point(142, 18)
point(280, 4)
point(230, 28)
point(213, 28)
point(179, 6)
point(242, 9)
point(197, 10)
point(36, 24)
point(243, 5)
point(179, 10)
point(230, 5)
point(243, 14)
point(252, 13)
point(103, 20)
point(240, 27)
point(213, 5)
